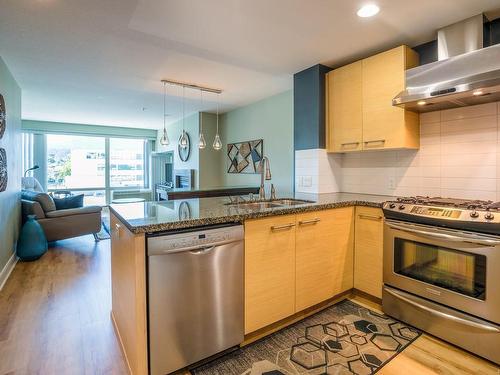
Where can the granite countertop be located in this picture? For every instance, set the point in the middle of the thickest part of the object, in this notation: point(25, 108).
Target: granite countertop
point(169, 215)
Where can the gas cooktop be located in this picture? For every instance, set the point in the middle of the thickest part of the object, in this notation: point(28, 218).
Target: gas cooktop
point(463, 214)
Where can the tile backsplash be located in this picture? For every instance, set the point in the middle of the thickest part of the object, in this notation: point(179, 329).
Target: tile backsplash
point(459, 157)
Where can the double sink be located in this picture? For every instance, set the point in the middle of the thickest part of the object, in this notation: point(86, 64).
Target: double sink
point(275, 203)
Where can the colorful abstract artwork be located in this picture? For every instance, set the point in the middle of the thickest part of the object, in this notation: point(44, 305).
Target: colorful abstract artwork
point(244, 157)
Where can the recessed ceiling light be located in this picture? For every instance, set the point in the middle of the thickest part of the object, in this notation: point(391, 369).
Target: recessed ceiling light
point(421, 102)
point(368, 10)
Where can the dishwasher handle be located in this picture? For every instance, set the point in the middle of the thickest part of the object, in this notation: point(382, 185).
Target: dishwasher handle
point(197, 249)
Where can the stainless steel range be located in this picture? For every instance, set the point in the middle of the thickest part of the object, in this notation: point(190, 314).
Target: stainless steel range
point(442, 269)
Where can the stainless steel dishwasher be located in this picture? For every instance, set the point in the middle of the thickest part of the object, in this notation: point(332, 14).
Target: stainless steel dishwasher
point(195, 295)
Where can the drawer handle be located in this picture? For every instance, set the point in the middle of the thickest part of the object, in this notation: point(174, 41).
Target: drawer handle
point(370, 217)
point(375, 141)
point(117, 229)
point(275, 228)
point(308, 222)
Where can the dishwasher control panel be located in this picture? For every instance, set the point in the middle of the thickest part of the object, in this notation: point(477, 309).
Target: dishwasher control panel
point(196, 239)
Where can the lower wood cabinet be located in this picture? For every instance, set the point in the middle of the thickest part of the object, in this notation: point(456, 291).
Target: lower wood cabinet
point(293, 262)
point(269, 270)
point(324, 255)
point(368, 250)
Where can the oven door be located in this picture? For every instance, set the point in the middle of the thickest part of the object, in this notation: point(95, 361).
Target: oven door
point(457, 269)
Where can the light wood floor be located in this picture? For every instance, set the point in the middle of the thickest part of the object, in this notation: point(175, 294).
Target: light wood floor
point(54, 319)
point(54, 313)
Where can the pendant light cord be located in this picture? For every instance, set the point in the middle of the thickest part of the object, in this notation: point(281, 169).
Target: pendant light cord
point(218, 113)
point(201, 108)
point(183, 108)
point(164, 106)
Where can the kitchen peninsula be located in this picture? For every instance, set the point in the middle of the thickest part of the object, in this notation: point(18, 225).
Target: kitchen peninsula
point(299, 255)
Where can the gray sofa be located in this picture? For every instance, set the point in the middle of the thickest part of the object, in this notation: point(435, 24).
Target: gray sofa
point(60, 224)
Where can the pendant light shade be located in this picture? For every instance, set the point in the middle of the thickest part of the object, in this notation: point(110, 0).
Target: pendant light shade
point(164, 141)
point(217, 145)
point(183, 141)
point(201, 142)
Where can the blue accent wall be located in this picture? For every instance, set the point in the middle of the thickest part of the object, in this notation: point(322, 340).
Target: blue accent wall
point(309, 107)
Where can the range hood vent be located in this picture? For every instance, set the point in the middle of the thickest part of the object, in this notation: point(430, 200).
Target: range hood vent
point(465, 74)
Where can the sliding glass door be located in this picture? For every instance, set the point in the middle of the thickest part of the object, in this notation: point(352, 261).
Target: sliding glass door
point(77, 164)
point(99, 167)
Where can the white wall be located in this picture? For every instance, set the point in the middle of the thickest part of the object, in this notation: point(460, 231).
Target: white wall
point(459, 157)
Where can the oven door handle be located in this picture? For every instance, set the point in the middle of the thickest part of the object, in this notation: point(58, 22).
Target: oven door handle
point(470, 323)
point(463, 237)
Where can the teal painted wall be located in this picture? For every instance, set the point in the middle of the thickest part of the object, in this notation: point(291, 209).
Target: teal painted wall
point(210, 160)
point(272, 120)
point(10, 205)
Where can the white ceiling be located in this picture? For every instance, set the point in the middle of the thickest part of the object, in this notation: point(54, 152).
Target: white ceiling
point(101, 61)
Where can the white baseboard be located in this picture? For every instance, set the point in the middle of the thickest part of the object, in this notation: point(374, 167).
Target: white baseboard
point(7, 270)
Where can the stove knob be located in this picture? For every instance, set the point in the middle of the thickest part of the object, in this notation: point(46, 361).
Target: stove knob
point(392, 205)
point(489, 216)
point(402, 207)
point(474, 214)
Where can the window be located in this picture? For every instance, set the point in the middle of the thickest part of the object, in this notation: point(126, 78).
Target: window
point(89, 165)
point(126, 162)
point(75, 162)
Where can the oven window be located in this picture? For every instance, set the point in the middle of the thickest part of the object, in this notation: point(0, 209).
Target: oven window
point(451, 269)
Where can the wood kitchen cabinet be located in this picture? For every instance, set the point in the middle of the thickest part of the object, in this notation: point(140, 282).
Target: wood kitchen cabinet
point(368, 250)
point(269, 270)
point(386, 126)
point(359, 101)
point(324, 255)
point(345, 107)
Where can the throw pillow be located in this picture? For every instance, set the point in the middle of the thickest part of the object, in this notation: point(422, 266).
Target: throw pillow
point(73, 201)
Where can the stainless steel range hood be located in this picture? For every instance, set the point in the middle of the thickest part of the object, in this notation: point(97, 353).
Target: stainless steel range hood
point(464, 74)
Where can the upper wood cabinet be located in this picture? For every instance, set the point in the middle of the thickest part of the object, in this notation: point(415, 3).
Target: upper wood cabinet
point(360, 111)
point(368, 250)
point(269, 270)
point(345, 108)
point(324, 255)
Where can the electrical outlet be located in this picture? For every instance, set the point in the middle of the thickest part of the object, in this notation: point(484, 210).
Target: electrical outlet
point(392, 183)
point(307, 181)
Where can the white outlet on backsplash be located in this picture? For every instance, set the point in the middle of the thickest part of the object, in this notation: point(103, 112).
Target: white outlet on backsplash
point(391, 183)
point(306, 181)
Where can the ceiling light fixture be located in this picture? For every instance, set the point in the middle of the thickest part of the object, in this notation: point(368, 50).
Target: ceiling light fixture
point(217, 145)
point(368, 10)
point(164, 141)
point(421, 102)
point(201, 143)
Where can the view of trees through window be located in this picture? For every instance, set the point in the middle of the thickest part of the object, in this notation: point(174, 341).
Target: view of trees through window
point(75, 162)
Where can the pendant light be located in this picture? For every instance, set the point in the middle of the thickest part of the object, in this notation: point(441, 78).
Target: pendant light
point(217, 145)
point(164, 141)
point(183, 141)
point(201, 143)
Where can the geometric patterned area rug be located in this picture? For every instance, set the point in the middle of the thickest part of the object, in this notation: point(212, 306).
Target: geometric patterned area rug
point(342, 339)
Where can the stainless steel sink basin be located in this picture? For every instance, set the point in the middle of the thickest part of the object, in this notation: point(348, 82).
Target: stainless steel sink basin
point(256, 205)
point(270, 204)
point(290, 202)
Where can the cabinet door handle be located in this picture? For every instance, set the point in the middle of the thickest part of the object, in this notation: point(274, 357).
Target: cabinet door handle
point(370, 217)
point(275, 228)
point(349, 143)
point(312, 221)
point(382, 141)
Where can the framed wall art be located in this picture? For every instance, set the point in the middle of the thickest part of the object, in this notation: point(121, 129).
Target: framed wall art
point(244, 157)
